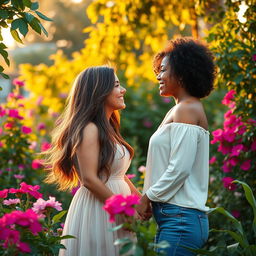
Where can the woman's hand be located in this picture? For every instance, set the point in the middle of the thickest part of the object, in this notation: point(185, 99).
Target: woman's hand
point(144, 208)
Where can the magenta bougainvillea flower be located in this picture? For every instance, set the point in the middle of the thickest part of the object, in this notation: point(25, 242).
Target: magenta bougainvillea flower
point(228, 98)
point(36, 164)
point(119, 204)
point(18, 82)
point(26, 129)
point(227, 183)
point(4, 193)
point(25, 188)
point(212, 160)
point(45, 146)
point(246, 165)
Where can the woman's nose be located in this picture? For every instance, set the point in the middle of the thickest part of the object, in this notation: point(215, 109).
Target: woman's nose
point(123, 90)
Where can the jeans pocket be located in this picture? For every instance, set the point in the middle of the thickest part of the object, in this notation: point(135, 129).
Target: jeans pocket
point(204, 226)
point(169, 211)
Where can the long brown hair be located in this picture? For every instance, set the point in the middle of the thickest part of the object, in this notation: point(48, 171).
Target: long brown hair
point(85, 104)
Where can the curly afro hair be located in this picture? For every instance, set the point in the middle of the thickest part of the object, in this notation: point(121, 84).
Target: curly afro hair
point(191, 62)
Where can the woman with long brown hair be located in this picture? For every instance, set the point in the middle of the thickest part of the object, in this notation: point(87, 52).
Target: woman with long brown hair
point(88, 148)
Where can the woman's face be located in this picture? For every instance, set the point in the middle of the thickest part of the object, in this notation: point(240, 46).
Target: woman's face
point(168, 84)
point(115, 100)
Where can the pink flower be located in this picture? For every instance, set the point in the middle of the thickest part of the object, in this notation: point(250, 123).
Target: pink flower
point(2, 111)
point(212, 160)
point(74, 190)
point(18, 176)
point(226, 167)
point(12, 237)
point(217, 136)
point(147, 123)
point(32, 190)
point(41, 126)
point(14, 113)
point(26, 129)
point(237, 149)
point(8, 125)
point(1, 144)
point(40, 206)
point(119, 204)
point(253, 145)
point(236, 213)
point(224, 149)
point(227, 183)
point(4, 193)
point(228, 97)
point(130, 176)
point(142, 168)
point(233, 161)
point(246, 165)
point(24, 247)
point(36, 164)
point(11, 201)
point(254, 57)
point(45, 146)
point(18, 82)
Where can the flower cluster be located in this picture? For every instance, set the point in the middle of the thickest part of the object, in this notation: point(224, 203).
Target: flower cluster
point(10, 221)
point(20, 225)
point(119, 204)
point(41, 205)
point(230, 139)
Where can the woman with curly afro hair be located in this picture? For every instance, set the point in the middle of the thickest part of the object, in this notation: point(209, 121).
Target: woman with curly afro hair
point(176, 182)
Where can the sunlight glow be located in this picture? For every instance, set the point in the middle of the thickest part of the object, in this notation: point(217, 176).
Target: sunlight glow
point(7, 38)
point(77, 1)
point(242, 9)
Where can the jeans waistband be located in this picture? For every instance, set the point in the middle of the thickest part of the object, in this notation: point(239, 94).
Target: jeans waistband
point(174, 206)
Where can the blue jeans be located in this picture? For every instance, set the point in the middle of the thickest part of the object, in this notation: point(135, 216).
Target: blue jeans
point(180, 226)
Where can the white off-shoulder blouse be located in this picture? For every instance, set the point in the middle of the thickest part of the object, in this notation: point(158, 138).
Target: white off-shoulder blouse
point(177, 169)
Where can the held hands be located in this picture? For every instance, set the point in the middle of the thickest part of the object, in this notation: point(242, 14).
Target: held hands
point(144, 211)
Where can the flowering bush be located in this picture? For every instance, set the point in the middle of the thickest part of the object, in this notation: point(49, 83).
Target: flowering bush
point(144, 231)
point(27, 223)
point(242, 245)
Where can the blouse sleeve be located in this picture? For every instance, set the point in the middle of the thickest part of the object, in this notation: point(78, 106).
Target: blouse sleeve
point(183, 141)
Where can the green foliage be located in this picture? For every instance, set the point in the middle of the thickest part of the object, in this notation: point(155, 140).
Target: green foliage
point(233, 43)
point(242, 246)
point(18, 15)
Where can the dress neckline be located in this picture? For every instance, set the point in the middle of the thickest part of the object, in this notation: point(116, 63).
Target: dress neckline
point(185, 124)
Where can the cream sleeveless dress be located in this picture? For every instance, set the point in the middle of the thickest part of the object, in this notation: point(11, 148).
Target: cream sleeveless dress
point(89, 223)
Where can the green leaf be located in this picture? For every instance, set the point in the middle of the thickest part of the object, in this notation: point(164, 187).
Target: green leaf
point(44, 30)
point(230, 217)
point(126, 248)
point(67, 237)
point(35, 25)
point(239, 238)
point(4, 14)
point(58, 216)
point(34, 6)
point(27, 3)
point(16, 36)
point(21, 25)
point(120, 241)
point(138, 251)
point(42, 16)
point(4, 53)
point(29, 17)
point(116, 227)
point(251, 200)
point(4, 76)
